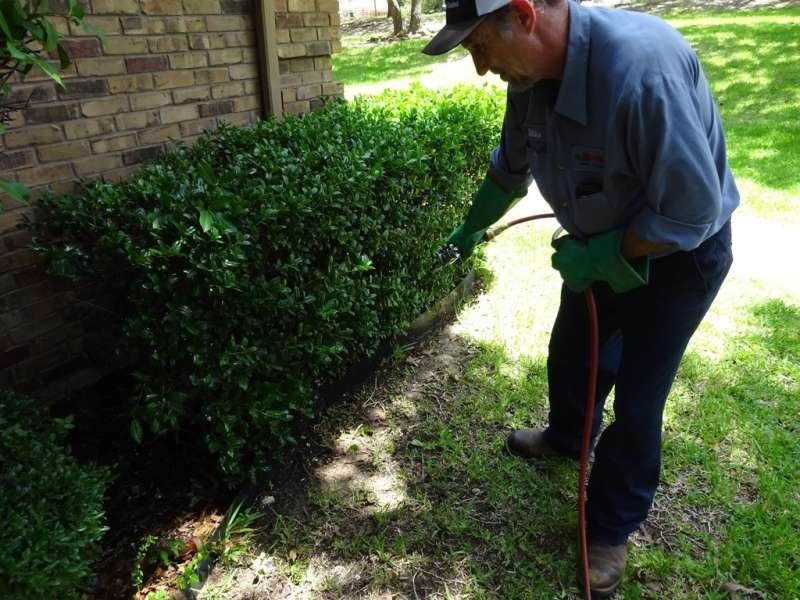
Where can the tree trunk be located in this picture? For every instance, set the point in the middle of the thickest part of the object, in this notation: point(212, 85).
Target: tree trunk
point(397, 18)
point(414, 20)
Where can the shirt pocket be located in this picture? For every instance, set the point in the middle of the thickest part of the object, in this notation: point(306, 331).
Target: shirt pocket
point(595, 213)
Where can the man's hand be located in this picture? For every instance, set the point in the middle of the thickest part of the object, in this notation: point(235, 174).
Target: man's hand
point(599, 259)
point(635, 247)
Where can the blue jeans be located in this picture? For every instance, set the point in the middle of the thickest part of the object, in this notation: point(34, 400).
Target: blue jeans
point(643, 335)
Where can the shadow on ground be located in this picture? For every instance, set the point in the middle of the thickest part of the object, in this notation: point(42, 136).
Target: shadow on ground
point(405, 492)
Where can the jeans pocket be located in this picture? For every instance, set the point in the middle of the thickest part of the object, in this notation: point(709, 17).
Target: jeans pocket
point(713, 259)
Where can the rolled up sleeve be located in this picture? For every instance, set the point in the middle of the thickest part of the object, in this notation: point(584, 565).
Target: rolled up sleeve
point(670, 150)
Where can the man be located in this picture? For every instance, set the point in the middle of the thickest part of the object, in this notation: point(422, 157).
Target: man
point(610, 112)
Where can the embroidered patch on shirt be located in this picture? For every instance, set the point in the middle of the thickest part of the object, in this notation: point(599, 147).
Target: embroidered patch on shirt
point(588, 159)
point(536, 141)
point(535, 133)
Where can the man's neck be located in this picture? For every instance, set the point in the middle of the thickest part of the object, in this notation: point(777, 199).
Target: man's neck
point(553, 29)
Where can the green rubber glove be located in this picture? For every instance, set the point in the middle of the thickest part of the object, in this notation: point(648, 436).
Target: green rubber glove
point(600, 259)
point(491, 202)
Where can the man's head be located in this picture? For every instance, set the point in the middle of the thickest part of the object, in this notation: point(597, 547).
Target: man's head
point(463, 16)
point(506, 37)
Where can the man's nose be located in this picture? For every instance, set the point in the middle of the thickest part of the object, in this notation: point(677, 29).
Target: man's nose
point(481, 65)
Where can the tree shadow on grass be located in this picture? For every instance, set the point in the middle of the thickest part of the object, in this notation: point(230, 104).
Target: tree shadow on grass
point(757, 86)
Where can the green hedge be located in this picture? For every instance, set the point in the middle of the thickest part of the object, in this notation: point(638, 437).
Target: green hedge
point(51, 506)
point(259, 264)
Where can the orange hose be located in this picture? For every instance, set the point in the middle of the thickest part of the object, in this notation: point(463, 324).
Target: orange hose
point(591, 391)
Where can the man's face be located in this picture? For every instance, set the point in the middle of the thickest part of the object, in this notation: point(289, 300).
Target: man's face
point(493, 52)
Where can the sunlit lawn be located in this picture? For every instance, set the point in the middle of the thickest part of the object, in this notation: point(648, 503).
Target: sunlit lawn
point(751, 64)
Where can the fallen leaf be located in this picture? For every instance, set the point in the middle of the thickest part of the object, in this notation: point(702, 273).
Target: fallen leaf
point(191, 548)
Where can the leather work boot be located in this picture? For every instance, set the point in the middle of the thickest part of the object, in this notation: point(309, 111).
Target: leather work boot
point(606, 568)
point(529, 443)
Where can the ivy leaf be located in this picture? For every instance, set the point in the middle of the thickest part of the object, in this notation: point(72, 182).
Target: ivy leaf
point(17, 191)
point(63, 56)
point(136, 431)
point(32, 59)
point(50, 36)
point(4, 26)
point(76, 11)
point(206, 220)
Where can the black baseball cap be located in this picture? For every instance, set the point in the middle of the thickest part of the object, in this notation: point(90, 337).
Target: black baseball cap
point(461, 18)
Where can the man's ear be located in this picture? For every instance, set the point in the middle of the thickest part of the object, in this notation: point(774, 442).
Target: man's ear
point(524, 13)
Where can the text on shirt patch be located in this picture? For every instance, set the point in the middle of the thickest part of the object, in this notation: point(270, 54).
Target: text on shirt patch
point(588, 159)
point(536, 141)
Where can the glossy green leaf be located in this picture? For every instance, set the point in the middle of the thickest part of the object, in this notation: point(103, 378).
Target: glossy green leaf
point(51, 36)
point(63, 57)
point(17, 191)
point(4, 26)
point(76, 11)
point(206, 220)
point(137, 432)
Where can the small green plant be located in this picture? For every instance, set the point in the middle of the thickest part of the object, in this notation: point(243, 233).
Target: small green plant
point(153, 553)
point(190, 573)
point(160, 594)
point(139, 561)
point(401, 351)
point(236, 533)
point(231, 543)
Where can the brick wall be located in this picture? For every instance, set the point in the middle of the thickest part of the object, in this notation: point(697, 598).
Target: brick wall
point(308, 33)
point(169, 70)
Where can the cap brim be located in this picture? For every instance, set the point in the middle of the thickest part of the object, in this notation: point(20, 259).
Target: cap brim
point(451, 36)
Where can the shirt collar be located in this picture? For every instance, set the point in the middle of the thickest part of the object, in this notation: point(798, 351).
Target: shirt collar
point(571, 101)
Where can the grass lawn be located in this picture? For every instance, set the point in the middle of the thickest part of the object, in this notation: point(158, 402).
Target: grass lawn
point(406, 492)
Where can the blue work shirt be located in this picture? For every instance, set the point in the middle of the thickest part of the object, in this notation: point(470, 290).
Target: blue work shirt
point(629, 136)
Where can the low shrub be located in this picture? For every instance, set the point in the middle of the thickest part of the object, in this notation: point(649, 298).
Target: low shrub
point(259, 264)
point(52, 506)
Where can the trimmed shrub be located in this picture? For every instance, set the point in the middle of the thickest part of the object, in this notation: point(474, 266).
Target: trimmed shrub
point(52, 506)
point(259, 264)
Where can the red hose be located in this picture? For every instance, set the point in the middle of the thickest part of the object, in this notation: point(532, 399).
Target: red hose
point(591, 391)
